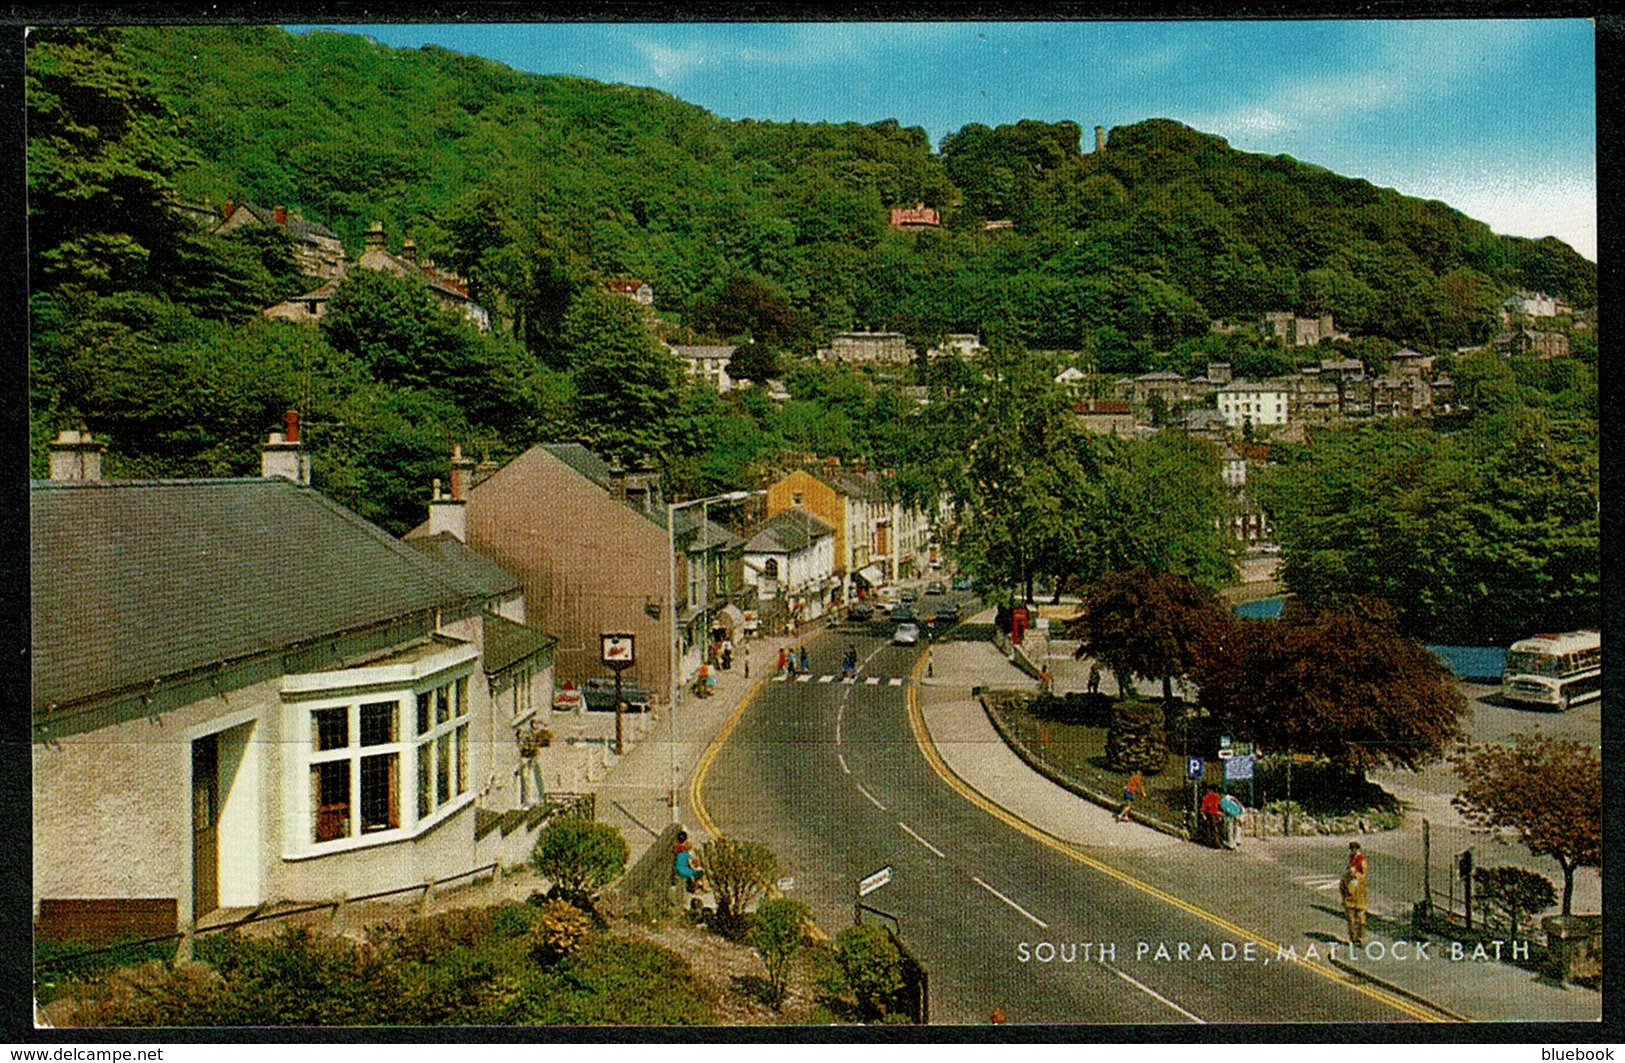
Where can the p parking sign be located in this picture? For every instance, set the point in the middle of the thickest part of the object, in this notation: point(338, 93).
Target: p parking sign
point(1193, 767)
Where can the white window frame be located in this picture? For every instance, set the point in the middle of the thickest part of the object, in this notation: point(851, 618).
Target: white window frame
point(306, 695)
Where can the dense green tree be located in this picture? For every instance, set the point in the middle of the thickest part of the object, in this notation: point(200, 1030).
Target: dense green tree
point(627, 383)
point(1149, 625)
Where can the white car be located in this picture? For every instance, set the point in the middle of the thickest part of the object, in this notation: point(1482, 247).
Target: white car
point(907, 635)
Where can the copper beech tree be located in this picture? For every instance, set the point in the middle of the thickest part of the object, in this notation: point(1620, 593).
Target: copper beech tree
point(1343, 684)
point(1546, 789)
point(1146, 624)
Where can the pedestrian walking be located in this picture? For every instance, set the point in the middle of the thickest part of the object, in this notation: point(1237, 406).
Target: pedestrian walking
point(806, 662)
point(1231, 808)
point(1135, 787)
point(1352, 887)
point(1211, 815)
point(1094, 678)
point(727, 655)
point(930, 665)
point(783, 662)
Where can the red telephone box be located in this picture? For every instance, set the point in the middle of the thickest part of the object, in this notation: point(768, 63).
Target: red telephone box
point(1018, 624)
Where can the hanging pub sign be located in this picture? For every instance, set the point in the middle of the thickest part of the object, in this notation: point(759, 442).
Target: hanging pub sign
point(617, 650)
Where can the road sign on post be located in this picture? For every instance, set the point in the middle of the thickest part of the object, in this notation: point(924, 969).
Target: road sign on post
point(617, 653)
point(1194, 767)
point(865, 887)
point(1238, 768)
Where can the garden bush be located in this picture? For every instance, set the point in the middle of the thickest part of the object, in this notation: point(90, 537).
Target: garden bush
point(738, 872)
point(1136, 739)
point(776, 933)
point(581, 857)
point(561, 927)
point(873, 966)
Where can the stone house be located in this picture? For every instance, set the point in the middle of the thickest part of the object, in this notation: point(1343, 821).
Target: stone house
point(245, 693)
point(1524, 341)
point(1112, 417)
point(707, 363)
point(919, 216)
point(449, 290)
point(1295, 331)
point(637, 291)
point(316, 248)
point(868, 347)
point(856, 508)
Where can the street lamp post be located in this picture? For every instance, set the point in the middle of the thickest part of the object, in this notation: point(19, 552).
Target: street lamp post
point(675, 641)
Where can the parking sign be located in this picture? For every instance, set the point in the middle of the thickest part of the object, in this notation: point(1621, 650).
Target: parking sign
point(1193, 767)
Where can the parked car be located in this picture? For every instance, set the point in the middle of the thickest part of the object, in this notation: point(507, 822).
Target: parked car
point(903, 612)
point(910, 595)
point(599, 691)
point(860, 613)
point(907, 635)
point(936, 586)
point(947, 613)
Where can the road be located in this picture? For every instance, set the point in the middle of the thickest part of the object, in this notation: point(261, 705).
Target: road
point(828, 774)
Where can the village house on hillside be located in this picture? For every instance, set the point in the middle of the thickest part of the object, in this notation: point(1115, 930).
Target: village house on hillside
point(918, 216)
point(449, 290)
point(868, 347)
point(633, 289)
point(1527, 341)
point(316, 248)
point(243, 692)
point(707, 363)
point(1295, 331)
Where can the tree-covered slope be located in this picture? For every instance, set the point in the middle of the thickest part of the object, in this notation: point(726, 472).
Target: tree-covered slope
point(517, 179)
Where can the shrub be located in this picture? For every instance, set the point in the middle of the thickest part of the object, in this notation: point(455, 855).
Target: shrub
point(739, 872)
point(776, 934)
point(873, 965)
point(560, 929)
point(580, 856)
point(1136, 739)
point(1516, 891)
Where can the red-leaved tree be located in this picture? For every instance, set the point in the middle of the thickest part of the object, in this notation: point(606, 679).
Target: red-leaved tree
point(1150, 625)
point(1341, 684)
point(1548, 790)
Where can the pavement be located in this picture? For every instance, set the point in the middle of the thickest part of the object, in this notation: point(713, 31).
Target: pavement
point(1282, 890)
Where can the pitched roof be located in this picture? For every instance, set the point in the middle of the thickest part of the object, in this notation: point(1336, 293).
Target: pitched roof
point(508, 643)
point(696, 353)
point(585, 462)
point(787, 532)
point(297, 227)
point(137, 580)
point(847, 483)
point(477, 575)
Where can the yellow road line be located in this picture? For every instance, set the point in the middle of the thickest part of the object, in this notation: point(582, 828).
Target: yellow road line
point(923, 739)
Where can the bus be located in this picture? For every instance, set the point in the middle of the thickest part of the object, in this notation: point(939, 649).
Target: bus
point(1554, 671)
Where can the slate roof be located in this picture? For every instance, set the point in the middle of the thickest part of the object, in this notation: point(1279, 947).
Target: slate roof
point(474, 573)
point(137, 580)
point(297, 227)
point(508, 643)
point(585, 462)
point(701, 353)
point(787, 532)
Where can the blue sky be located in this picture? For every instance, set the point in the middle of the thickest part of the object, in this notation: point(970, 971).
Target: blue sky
point(1495, 117)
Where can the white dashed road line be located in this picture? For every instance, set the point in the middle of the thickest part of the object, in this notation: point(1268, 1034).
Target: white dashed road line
point(842, 759)
point(919, 839)
point(1151, 992)
point(872, 799)
point(1008, 901)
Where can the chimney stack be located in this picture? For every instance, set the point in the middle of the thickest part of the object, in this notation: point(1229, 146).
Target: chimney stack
point(374, 239)
point(281, 215)
point(227, 209)
point(75, 456)
point(284, 455)
point(448, 513)
point(409, 251)
point(462, 474)
point(1100, 138)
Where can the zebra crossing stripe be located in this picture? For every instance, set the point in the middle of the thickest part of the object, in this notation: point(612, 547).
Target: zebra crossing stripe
point(896, 681)
point(826, 678)
point(873, 680)
point(780, 678)
point(804, 677)
point(850, 679)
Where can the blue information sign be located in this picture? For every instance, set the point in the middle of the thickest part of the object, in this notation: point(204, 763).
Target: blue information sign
point(1239, 768)
point(1193, 767)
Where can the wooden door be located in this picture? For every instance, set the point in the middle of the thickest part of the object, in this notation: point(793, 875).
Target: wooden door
point(205, 826)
